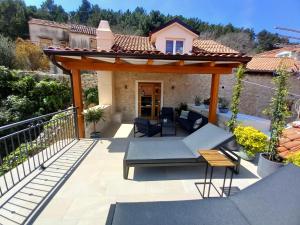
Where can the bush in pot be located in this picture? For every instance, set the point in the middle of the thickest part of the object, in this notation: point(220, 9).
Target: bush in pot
point(93, 115)
point(270, 161)
point(206, 102)
point(251, 140)
point(223, 105)
point(197, 100)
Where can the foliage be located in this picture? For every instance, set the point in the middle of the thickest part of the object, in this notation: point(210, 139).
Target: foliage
point(197, 100)
point(268, 41)
point(252, 140)
point(25, 96)
point(30, 56)
point(91, 96)
point(181, 106)
point(7, 52)
point(206, 101)
point(278, 111)
point(13, 19)
point(294, 158)
point(93, 115)
point(223, 103)
point(235, 101)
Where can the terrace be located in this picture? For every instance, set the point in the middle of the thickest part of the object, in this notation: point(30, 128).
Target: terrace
point(82, 178)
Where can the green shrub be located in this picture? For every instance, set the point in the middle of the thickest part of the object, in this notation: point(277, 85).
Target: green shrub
point(91, 96)
point(294, 158)
point(7, 78)
point(93, 116)
point(7, 52)
point(252, 140)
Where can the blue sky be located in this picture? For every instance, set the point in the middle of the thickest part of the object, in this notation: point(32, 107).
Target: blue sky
point(257, 14)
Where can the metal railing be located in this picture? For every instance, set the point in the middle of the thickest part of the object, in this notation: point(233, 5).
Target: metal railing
point(26, 145)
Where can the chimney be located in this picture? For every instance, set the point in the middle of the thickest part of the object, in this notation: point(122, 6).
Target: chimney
point(105, 37)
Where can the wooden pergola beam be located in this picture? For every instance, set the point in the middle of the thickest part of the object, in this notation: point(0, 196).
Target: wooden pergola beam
point(214, 93)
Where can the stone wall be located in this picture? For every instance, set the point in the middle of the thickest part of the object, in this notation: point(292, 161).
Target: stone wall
point(254, 98)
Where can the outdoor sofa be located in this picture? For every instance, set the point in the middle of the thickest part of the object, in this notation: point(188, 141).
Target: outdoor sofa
point(188, 124)
point(178, 152)
point(274, 200)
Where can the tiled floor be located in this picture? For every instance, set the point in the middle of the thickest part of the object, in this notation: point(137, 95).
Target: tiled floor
point(98, 182)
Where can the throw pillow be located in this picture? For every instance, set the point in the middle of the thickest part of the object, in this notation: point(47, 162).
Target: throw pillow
point(197, 123)
point(184, 114)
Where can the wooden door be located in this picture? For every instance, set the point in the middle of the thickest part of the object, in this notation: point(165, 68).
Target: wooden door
point(149, 100)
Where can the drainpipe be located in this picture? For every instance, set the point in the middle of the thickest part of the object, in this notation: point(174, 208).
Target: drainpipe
point(66, 71)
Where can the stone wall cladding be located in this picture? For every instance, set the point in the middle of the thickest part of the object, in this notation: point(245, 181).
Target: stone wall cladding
point(254, 98)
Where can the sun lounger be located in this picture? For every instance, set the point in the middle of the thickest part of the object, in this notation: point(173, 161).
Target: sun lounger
point(182, 152)
point(274, 200)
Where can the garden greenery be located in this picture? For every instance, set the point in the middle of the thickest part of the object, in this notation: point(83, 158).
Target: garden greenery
point(237, 88)
point(278, 110)
point(93, 115)
point(294, 158)
point(252, 140)
point(91, 96)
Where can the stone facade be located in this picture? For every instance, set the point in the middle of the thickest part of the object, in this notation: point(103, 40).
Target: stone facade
point(254, 98)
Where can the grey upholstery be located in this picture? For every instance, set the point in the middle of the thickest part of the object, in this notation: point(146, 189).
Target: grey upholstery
point(192, 212)
point(155, 149)
point(274, 200)
point(208, 137)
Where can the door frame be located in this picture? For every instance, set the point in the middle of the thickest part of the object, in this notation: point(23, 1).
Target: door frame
point(136, 96)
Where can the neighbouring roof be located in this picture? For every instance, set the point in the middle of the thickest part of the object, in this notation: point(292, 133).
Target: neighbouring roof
point(289, 142)
point(274, 52)
point(175, 20)
point(211, 46)
point(271, 64)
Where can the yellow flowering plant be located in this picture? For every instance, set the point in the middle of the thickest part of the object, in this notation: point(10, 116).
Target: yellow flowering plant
point(252, 140)
point(294, 158)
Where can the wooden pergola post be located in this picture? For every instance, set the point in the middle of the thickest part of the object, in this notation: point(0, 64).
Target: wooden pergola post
point(214, 93)
point(77, 92)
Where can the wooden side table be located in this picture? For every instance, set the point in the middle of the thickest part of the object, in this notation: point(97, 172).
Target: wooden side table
point(214, 158)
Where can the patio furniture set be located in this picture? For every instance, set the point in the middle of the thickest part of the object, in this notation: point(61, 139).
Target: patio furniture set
point(166, 125)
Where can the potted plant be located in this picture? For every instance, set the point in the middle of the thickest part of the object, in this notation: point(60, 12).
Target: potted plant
point(294, 158)
point(223, 105)
point(234, 107)
point(251, 141)
point(270, 160)
point(206, 103)
point(93, 115)
point(182, 106)
point(197, 100)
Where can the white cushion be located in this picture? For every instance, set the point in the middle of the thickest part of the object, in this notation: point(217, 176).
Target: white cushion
point(184, 114)
point(197, 123)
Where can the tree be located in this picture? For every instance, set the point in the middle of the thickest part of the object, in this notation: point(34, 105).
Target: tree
point(51, 11)
point(13, 20)
point(240, 41)
point(267, 41)
point(30, 56)
point(7, 52)
point(84, 11)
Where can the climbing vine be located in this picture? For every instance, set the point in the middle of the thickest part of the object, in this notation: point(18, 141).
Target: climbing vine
point(278, 111)
point(236, 97)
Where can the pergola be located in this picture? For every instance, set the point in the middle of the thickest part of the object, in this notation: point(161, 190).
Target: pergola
point(72, 61)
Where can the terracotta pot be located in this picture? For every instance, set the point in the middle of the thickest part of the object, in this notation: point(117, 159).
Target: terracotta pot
point(266, 167)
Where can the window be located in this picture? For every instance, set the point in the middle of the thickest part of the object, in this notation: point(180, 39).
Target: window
point(93, 43)
point(174, 46)
point(169, 46)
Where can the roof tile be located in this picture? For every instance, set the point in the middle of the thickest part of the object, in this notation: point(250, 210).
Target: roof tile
point(271, 64)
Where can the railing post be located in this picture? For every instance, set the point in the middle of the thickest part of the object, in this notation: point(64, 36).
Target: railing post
point(75, 123)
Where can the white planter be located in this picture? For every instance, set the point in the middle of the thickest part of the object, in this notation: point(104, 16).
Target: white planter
point(266, 167)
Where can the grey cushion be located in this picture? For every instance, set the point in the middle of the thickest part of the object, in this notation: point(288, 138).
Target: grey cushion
point(207, 137)
point(158, 149)
point(274, 200)
point(193, 212)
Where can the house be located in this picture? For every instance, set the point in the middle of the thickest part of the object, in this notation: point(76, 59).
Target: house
point(138, 75)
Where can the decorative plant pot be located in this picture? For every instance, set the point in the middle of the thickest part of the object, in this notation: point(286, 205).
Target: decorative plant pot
point(244, 155)
point(232, 145)
point(95, 135)
point(223, 110)
point(266, 167)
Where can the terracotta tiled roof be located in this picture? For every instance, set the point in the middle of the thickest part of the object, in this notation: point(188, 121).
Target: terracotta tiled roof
point(48, 23)
point(211, 46)
point(271, 64)
point(82, 29)
point(132, 42)
point(289, 142)
point(273, 53)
